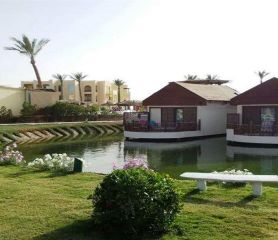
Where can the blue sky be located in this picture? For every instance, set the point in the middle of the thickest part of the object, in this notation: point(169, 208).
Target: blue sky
point(147, 43)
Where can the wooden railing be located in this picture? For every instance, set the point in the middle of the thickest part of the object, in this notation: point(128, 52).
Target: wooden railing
point(253, 129)
point(167, 127)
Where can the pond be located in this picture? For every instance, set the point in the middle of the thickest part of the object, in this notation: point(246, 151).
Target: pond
point(207, 155)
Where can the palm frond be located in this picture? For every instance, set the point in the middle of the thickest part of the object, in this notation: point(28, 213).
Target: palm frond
point(40, 45)
point(119, 82)
point(78, 76)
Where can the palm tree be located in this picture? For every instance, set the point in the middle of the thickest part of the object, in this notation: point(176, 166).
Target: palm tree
point(30, 49)
point(61, 78)
point(261, 75)
point(190, 77)
point(119, 83)
point(211, 77)
point(78, 77)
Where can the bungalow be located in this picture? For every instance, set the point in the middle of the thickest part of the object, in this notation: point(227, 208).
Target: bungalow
point(256, 118)
point(182, 110)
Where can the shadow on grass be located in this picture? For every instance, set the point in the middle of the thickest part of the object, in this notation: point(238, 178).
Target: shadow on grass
point(83, 230)
point(23, 172)
point(191, 197)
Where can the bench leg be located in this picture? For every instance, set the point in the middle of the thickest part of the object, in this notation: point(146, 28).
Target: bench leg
point(202, 185)
point(257, 188)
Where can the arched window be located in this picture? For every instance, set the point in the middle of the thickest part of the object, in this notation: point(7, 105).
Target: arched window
point(87, 89)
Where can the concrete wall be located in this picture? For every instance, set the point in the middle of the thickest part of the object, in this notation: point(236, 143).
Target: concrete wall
point(43, 99)
point(12, 98)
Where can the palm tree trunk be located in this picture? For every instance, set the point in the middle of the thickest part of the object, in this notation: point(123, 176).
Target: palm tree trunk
point(80, 94)
point(36, 72)
point(119, 94)
point(62, 89)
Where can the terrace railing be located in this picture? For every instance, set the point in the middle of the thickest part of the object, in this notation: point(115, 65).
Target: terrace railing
point(254, 129)
point(167, 127)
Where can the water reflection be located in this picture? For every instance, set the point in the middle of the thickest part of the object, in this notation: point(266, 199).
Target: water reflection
point(101, 154)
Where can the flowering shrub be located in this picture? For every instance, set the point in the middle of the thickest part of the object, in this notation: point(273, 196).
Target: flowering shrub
point(10, 155)
point(134, 163)
point(235, 172)
point(56, 162)
point(134, 201)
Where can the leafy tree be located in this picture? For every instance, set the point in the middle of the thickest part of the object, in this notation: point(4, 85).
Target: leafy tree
point(30, 49)
point(261, 75)
point(78, 77)
point(190, 77)
point(119, 83)
point(212, 77)
point(61, 78)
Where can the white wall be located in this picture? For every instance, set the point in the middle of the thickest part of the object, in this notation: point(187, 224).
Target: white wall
point(12, 98)
point(214, 117)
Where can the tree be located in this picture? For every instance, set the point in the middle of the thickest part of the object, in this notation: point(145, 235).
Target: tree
point(119, 83)
point(211, 77)
point(30, 49)
point(190, 77)
point(261, 75)
point(61, 78)
point(78, 77)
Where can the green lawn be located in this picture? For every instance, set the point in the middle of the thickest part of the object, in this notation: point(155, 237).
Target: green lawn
point(40, 205)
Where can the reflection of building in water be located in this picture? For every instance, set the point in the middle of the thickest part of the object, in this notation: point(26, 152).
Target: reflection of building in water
point(178, 157)
point(267, 157)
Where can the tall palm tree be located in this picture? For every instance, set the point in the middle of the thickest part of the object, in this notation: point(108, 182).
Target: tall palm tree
point(211, 77)
point(261, 75)
point(78, 77)
point(30, 49)
point(190, 77)
point(119, 83)
point(61, 78)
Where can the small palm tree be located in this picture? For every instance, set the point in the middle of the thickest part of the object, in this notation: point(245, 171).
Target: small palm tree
point(61, 78)
point(261, 75)
point(78, 77)
point(119, 83)
point(211, 77)
point(30, 49)
point(190, 77)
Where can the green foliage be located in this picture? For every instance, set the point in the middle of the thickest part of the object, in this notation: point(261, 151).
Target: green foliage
point(62, 109)
point(135, 201)
point(5, 114)
point(28, 109)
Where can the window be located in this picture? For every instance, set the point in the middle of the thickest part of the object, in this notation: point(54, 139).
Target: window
point(96, 88)
point(96, 98)
point(179, 115)
point(88, 97)
point(87, 89)
point(267, 118)
point(59, 88)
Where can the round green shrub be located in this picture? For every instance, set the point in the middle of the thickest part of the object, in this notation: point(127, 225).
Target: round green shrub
point(135, 201)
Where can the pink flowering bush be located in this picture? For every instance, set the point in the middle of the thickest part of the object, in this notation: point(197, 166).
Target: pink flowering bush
point(133, 163)
point(11, 155)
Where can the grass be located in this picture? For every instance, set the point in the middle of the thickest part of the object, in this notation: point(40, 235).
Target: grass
point(40, 205)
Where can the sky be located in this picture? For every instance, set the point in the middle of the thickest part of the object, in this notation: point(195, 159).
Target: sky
point(146, 43)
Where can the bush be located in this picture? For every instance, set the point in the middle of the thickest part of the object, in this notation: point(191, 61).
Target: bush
point(5, 114)
point(10, 155)
point(55, 162)
point(135, 201)
point(28, 109)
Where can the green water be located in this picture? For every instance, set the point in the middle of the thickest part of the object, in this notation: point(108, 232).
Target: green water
point(101, 154)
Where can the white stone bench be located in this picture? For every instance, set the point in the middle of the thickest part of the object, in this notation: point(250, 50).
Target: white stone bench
point(255, 180)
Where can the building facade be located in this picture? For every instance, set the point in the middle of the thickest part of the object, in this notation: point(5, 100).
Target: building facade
point(92, 91)
point(256, 118)
point(182, 110)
